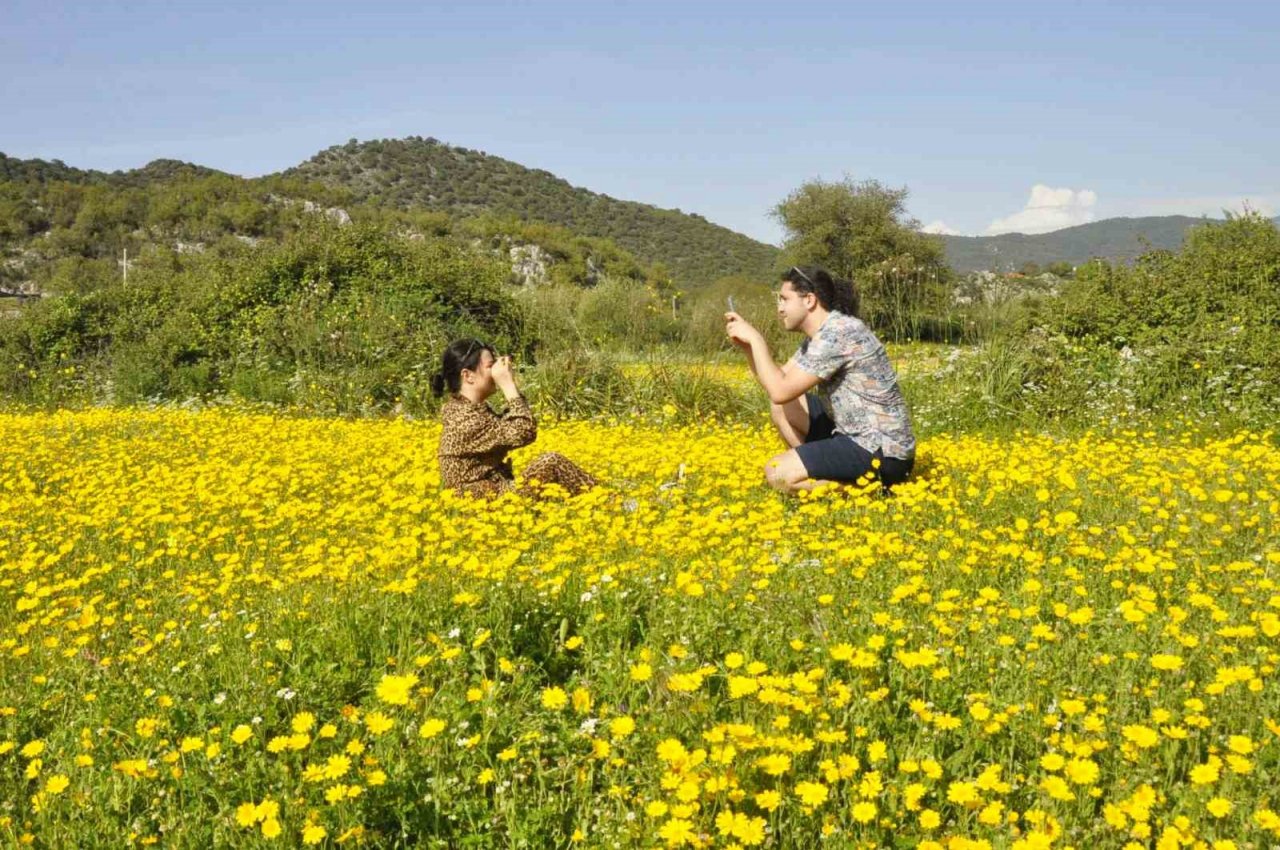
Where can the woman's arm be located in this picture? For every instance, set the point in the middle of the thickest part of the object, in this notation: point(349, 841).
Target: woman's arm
point(476, 430)
point(480, 431)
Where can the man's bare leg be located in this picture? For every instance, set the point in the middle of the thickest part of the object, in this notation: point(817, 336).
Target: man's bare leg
point(792, 420)
point(786, 473)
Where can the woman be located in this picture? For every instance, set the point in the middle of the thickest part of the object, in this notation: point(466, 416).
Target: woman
point(475, 441)
point(854, 425)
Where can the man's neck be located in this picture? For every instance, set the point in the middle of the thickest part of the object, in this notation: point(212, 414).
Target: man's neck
point(814, 322)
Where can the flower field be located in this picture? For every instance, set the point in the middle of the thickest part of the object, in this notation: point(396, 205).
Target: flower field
point(227, 629)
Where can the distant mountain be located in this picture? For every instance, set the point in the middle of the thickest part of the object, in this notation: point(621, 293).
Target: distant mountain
point(417, 172)
point(1117, 239)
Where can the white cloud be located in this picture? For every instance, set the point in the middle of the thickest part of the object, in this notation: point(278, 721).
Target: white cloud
point(941, 228)
point(1048, 209)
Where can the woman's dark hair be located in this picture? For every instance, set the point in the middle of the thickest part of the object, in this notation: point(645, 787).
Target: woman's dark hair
point(460, 354)
point(833, 293)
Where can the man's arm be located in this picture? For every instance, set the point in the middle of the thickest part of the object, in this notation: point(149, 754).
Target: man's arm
point(781, 383)
point(785, 368)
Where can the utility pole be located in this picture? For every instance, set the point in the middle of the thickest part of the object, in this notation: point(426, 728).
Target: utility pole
point(126, 266)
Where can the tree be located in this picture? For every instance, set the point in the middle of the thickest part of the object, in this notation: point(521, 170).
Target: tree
point(861, 231)
point(848, 226)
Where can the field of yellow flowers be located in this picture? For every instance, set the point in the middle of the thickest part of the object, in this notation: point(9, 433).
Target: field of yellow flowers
point(229, 629)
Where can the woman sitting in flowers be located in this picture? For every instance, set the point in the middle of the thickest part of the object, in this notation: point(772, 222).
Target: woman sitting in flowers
point(475, 441)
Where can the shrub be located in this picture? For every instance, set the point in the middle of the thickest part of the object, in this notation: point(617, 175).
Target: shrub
point(1196, 329)
point(336, 319)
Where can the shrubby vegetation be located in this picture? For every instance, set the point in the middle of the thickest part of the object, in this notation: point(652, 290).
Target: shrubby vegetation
point(335, 319)
point(350, 320)
point(1191, 330)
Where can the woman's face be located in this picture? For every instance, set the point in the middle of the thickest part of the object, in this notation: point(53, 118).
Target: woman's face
point(481, 377)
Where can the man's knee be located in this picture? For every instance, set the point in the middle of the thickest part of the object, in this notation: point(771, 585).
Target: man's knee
point(784, 471)
point(771, 474)
point(791, 419)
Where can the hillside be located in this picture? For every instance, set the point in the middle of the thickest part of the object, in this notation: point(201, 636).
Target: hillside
point(426, 173)
point(65, 230)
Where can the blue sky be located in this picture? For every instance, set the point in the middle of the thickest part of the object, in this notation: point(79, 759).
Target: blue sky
point(997, 116)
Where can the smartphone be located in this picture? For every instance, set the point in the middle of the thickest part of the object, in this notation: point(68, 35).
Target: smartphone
point(732, 307)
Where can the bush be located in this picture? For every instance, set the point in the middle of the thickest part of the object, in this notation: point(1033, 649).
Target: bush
point(577, 383)
point(623, 314)
point(615, 314)
point(335, 319)
point(1189, 331)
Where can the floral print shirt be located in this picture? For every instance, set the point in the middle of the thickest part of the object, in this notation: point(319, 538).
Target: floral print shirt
point(858, 386)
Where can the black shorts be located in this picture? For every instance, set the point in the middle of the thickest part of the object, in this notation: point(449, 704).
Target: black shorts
point(828, 456)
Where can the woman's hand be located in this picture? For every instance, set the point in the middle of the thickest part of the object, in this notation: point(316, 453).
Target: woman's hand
point(740, 331)
point(503, 377)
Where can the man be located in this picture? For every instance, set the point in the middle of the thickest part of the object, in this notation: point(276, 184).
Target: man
point(856, 425)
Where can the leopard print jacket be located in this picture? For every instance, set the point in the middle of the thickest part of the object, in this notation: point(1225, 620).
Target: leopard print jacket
point(474, 445)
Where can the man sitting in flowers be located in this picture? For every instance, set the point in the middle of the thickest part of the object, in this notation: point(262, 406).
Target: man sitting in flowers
point(855, 427)
point(475, 441)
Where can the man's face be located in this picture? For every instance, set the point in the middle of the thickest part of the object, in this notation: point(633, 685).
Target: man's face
point(794, 307)
point(481, 377)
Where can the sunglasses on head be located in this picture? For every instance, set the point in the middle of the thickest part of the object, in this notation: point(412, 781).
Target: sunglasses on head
point(796, 271)
point(471, 349)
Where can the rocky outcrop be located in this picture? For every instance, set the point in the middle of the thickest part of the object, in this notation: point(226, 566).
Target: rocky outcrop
point(530, 264)
point(336, 214)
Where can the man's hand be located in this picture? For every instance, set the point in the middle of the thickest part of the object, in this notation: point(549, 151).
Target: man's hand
point(740, 331)
point(502, 376)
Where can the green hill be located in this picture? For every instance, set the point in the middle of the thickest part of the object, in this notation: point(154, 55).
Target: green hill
point(64, 228)
point(426, 173)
